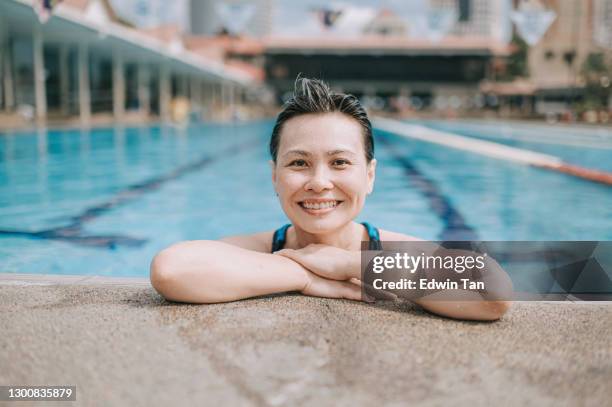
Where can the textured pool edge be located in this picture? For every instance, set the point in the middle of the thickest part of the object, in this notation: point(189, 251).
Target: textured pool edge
point(56, 279)
point(126, 346)
point(24, 279)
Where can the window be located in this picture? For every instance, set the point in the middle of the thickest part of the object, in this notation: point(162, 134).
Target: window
point(465, 9)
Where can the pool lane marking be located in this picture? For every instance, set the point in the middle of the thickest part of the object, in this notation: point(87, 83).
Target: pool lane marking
point(73, 231)
point(491, 149)
point(455, 226)
point(136, 190)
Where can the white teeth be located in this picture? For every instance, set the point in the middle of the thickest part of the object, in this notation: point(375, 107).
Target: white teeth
point(324, 205)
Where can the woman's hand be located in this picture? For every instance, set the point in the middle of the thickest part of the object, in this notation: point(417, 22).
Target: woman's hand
point(326, 261)
point(322, 287)
point(332, 272)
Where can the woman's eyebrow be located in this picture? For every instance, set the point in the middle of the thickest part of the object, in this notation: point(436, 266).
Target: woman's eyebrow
point(306, 153)
point(298, 152)
point(334, 152)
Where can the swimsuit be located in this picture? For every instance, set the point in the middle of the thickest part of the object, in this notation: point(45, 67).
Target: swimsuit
point(280, 237)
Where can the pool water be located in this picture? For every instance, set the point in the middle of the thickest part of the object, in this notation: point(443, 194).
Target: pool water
point(104, 202)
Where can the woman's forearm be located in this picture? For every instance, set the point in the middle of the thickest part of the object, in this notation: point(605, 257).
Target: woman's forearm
point(464, 305)
point(490, 301)
point(205, 271)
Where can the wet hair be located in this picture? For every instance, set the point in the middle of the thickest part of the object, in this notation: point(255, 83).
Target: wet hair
point(312, 96)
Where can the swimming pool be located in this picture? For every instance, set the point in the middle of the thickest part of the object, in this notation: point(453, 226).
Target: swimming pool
point(588, 146)
point(104, 202)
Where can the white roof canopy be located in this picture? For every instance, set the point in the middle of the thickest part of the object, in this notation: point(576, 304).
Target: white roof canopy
point(69, 25)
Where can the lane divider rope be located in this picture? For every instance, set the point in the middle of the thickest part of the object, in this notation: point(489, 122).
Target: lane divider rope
point(491, 149)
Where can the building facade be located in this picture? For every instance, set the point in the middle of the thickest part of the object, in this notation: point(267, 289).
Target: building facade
point(84, 63)
point(557, 64)
point(389, 63)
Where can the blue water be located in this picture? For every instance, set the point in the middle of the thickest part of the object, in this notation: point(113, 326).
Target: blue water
point(104, 202)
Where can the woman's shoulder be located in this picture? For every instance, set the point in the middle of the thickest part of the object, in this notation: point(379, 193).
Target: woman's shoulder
point(259, 242)
point(386, 235)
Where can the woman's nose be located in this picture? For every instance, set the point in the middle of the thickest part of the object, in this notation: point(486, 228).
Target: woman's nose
point(319, 180)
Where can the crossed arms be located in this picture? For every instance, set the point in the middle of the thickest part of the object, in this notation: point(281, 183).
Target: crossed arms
point(206, 271)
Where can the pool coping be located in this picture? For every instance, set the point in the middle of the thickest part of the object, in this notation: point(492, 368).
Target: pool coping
point(56, 279)
point(26, 279)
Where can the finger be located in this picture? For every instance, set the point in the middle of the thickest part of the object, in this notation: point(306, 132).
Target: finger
point(322, 287)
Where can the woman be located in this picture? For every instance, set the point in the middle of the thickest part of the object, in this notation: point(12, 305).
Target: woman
point(323, 168)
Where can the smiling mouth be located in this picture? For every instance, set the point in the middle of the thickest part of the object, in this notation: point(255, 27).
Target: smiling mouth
point(319, 207)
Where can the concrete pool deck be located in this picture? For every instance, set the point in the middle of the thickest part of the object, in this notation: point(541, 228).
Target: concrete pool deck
point(120, 343)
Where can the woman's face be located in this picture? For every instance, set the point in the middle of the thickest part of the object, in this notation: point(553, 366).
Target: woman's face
point(321, 174)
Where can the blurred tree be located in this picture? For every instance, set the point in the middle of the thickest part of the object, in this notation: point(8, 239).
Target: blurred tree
point(596, 71)
point(516, 65)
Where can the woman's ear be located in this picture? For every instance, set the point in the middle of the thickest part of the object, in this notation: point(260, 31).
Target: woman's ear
point(371, 175)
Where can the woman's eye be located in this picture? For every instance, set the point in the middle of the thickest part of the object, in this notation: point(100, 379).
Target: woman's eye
point(297, 163)
point(340, 163)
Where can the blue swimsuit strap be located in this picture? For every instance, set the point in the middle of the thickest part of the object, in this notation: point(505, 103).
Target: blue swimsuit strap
point(280, 237)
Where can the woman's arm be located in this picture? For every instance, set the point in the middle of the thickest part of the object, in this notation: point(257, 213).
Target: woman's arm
point(206, 271)
point(492, 304)
point(472, 308)
point(466, 304)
